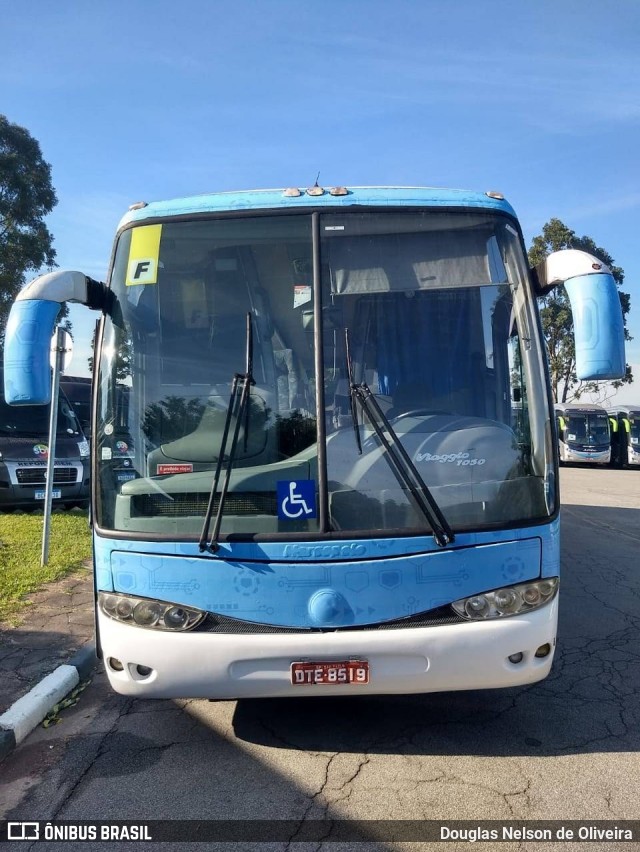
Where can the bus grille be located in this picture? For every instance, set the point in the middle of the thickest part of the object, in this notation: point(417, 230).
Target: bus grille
point(181, 505)
point(214, 623)
point(37, 475)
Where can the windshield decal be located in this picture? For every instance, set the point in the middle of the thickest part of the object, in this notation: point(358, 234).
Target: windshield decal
point(461, 459)
point(144, 251)
point(301, 294)
point(164, 469)
point(296, 499)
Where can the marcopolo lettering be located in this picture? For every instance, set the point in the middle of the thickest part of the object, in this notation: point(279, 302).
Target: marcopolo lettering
point(325, 551)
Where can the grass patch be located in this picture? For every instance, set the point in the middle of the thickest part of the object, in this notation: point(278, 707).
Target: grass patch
point(21, 549)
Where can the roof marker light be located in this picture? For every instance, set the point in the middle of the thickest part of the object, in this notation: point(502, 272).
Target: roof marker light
point(338, 190)
point(138, 205)
point(292, 192)
point(497, 195)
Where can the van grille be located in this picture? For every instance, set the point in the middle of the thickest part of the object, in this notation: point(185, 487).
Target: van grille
point(37, 475)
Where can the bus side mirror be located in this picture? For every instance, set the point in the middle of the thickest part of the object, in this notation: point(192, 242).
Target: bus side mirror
point(597, 314)
point(27, 372)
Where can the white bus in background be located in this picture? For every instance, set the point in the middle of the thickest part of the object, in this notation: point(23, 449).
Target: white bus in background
point(584, 434)
point(625, 435)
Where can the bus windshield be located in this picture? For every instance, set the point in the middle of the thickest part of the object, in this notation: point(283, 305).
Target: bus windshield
point(588, 428)
point(634, 427)
point(442, 334)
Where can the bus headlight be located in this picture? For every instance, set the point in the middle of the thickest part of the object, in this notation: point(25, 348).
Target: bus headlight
point(143, 612)
point(509, 600)
point(176, 618)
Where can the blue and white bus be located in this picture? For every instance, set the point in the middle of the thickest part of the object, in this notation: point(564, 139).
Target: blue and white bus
point(327, 494)
point(625, 435)
point(584, 433)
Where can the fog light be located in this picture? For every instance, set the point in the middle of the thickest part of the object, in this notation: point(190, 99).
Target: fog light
point(143, 671)
point(116, 665)
point(516, 658)
point(544, 650)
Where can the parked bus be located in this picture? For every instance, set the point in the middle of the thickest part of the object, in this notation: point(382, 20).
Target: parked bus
point(584, 434)
point(625, 435)
point(330, 497)
point(24, 449)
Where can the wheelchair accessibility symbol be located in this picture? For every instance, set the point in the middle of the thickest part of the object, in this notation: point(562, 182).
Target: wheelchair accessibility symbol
point(297, 499)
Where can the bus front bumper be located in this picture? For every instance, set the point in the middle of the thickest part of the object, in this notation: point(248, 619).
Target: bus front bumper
point(471, 655)
point(586, 457)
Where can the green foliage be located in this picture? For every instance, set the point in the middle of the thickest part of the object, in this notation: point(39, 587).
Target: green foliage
point(26, 197)
point(21, 548)
point(557, 319)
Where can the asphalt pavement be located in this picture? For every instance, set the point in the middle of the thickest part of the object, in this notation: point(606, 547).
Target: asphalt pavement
point(46, 650)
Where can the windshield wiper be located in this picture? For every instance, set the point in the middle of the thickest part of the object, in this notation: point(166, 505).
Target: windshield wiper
point(394, 452)
point(238, 406)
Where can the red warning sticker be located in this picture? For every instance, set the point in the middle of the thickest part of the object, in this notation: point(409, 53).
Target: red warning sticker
point(174, 468)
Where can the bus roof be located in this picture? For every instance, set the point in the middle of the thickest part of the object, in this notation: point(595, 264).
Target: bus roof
point(577, 406)
point(625, 409)
point(276, 199)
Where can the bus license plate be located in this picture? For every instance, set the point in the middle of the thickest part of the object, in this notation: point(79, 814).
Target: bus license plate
point(331, 673)
point(56, 494)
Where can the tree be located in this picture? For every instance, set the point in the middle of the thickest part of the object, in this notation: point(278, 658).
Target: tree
point(26, 197)
point(557, 319)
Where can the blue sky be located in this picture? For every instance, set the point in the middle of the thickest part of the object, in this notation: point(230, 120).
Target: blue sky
point(150, 100)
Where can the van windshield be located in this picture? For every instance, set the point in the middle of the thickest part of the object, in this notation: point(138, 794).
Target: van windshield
point(79, 395)
point(30, 421)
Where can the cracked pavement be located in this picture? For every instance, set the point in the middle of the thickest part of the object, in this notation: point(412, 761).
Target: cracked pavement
point(45, 635)
point(565, 749)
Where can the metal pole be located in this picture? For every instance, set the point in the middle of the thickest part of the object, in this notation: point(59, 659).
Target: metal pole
point(53, 429)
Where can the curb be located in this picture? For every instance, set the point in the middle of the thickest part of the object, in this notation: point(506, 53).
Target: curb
point(27, 712)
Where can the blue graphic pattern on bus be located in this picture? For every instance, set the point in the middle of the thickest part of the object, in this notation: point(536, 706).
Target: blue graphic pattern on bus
point(306, 595)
